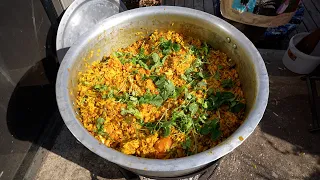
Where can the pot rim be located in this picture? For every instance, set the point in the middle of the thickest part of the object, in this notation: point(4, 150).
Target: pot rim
point(144, 164)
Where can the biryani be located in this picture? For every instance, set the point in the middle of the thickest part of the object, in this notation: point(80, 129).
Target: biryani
point(165, 96)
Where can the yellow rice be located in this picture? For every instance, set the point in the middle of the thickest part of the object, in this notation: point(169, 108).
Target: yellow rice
point(127, 133)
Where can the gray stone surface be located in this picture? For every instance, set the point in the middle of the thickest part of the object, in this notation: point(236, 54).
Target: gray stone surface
point(23, 30)
point(281, 147)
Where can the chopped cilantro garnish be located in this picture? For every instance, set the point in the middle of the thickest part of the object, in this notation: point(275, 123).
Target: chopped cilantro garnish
point(176, 47)
point(212, 128)
point(227, 83)
point(187, 144)
point(217, 75)
point(193, 108)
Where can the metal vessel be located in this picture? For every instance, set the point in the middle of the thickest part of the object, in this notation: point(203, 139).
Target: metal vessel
point(125, 28)
point(80, 17)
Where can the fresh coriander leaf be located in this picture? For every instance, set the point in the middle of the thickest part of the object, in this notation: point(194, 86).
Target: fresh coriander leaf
point(210, 91)
point(215, 134)
point(229, 96)
point(132, 98)
point(166, 51)
point(193, 108)
point(220, 67)
point(188, 71)
point(197, 63)
point(141, 51)
point(100, 120)
point(142, 64)
point(164, 59)
point(160, 82)
point(134, 72)
point(217, 75)
point(206, 75)
point(205, 104)
point(144, 77)
point(176, 47)
point(205, 129)
point(200, 74)
point(97, 87)
point(187, 144)
point(162, 39)
point(202, 84)
point(205, 48)
point(138, 114)
point(155, 57)
point(184, 77)
point(185, 123)
point(169, 86)
point(152, 127)
point(157, 101)
point(166, 131)
point(193, 50)
point(134, 60)
point(238, 107)
point(227, 83)
point(213, 128)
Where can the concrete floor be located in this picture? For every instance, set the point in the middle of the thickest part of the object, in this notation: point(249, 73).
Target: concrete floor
point(280, 148)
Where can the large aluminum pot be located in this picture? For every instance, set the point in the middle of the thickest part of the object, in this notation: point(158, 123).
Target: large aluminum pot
point(122, 30)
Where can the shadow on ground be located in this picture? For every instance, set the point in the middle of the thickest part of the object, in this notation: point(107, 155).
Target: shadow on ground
point(288, 117)
point(32, 116)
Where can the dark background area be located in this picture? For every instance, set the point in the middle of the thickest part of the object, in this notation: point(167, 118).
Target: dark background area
point(27, 74)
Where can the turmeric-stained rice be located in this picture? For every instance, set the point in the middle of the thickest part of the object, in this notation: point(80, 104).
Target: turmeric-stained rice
point(165, 96)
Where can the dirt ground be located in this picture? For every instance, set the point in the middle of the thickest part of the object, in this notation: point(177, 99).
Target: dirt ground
point(281, 147)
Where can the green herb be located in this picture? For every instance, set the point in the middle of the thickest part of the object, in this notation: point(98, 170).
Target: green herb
point(202, 84)
point(156, 61)
point(83, 100)
point(111, 93)
point(100, 88)
point(157, 101)
point(182, 121)
point(220, 67)
point(217, 75)
point(134, 72)
point(187, 144)
point(142, 64)
point(164, 59)
point(205, 49)
point(220, 98)
point(227, 83)
point(155, 57)
point(193, 108)
point(165, 126)
point(85, 83)
point(166, 87)
point(131, 109)
point(168, 46)
point(238, 107)
point(211, 128)
point(176, 47)
point(205, 104)
point(99, 125)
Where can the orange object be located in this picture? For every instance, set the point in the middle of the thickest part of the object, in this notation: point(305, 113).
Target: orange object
point(163, 144)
